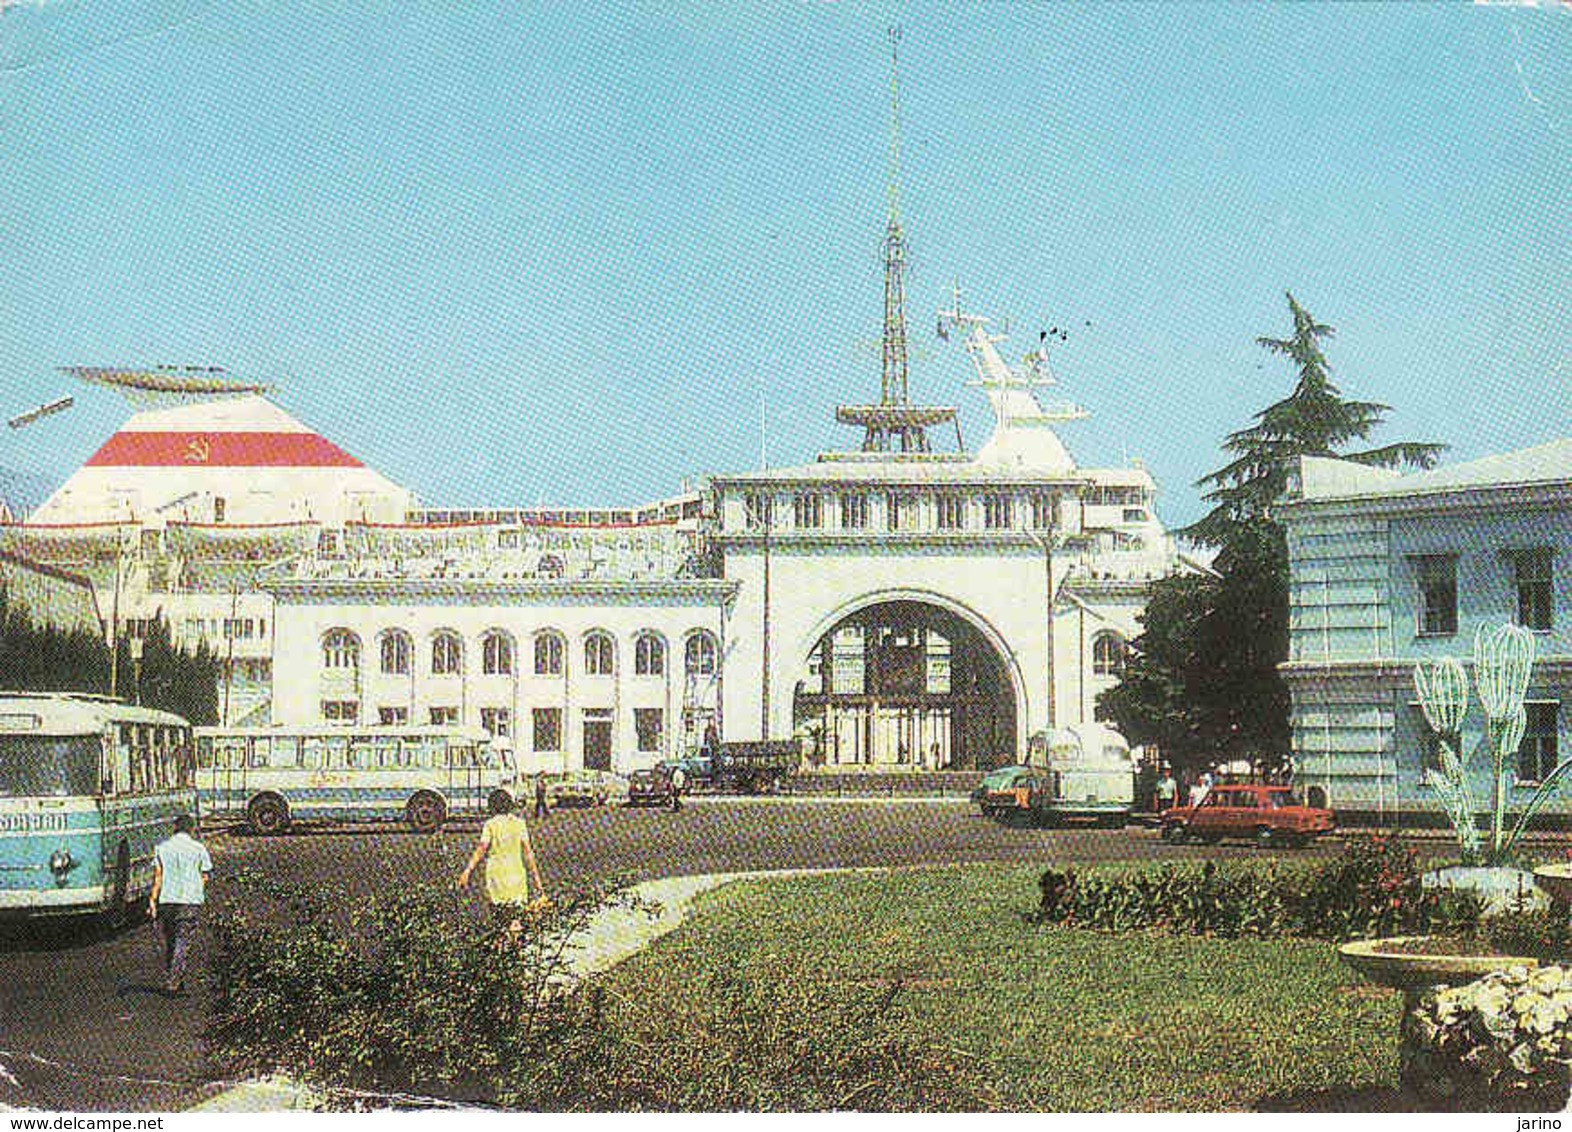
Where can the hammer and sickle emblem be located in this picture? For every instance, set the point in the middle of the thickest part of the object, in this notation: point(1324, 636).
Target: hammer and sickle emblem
point(198, 450)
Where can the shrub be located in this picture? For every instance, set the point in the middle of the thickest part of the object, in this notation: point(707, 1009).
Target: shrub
point(1372, 889)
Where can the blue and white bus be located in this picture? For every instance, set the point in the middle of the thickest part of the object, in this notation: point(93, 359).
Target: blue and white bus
point(270, 777)
point(88, 786)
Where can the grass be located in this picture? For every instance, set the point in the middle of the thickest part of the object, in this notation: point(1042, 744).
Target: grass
point(1048, 1019)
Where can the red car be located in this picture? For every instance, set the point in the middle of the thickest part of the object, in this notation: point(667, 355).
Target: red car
point(1268, 815)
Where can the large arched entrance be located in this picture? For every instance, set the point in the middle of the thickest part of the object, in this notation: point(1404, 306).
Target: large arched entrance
point(906, 684)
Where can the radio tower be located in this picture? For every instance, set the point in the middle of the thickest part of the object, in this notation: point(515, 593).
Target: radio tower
point(894, 423)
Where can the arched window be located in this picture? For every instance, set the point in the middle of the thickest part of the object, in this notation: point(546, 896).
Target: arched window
point(340, 649)
point(699, 658)
point(496, 654)
point(548, 655)
point(447, 655)
point(598, 656)
point(1108, 652)
point(649, 655)
point(395, 653)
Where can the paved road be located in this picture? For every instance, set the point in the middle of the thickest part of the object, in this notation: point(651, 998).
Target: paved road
point(83, 1026)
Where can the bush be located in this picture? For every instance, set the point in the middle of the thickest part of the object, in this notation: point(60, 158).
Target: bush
point(1372, 889)
point(408, 996)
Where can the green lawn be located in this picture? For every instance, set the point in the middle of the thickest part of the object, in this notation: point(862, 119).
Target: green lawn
point(1042, 1019)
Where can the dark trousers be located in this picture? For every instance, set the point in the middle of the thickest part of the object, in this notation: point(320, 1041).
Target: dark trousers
point(178, 923)
point(540, 805)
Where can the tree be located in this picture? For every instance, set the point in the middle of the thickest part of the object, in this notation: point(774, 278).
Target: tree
point(1202, 681)
point(1314, 420)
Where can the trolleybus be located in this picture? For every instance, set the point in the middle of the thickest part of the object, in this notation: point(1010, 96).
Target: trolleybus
point(270, 777)
point(88, 786)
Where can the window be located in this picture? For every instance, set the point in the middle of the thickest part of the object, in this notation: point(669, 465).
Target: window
point(339, 712)
point(1108, 653)
point(808, 511)
point(950, 511)
point(340, 649)
point(901, 511)
point(218, 508)
point(756, 510)
point(649, 655)
point(699, 658)
point(648, 723)
point(392, 716)
point(497, 721)
point(443, 716)
point(547, 729)
point(1437, 578)
point(447, 655)
point(1043, 507)
point(496, 655)
point(1534, 580)
point(598, 655)
point(548, 656)
point(1536, 754)
point(854, 512)
point(996, 512)
point(395, 654)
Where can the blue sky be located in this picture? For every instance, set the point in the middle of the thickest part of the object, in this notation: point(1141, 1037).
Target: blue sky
point(517, 253)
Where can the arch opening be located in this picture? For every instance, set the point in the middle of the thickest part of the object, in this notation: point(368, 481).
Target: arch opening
point(905, 684)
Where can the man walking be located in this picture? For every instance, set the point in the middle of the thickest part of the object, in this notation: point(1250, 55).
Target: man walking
point(1167, 791)
point(180, 868)
point(540, 794)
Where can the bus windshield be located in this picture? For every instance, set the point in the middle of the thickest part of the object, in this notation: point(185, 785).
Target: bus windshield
point(51, 766)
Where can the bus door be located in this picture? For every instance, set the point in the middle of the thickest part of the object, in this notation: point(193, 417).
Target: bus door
point(466, 776)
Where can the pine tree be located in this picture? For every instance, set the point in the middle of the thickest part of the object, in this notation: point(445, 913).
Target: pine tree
point(1314, 420)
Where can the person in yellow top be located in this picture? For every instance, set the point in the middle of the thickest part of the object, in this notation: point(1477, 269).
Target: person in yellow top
point(504, 846)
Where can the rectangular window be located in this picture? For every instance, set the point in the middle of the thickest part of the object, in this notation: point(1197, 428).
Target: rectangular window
point(392, 716)
point(854, 512)
point(497, 721)
point(996, 512)
point(950, 512)
point(1436, 575)
point(1536, 754)
point(443, 716)
point(339, 712)
point(1535, 583)
point(649, 723)
point(808, 511)
point(1043, 507)
point(901, 511)
point(547, 729)
point(756, 510)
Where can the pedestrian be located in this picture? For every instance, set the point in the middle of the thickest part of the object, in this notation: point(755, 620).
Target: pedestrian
point(504, 846)
point(679, 782)
point(1167, 790)
point(540, 794)
point(180, 868)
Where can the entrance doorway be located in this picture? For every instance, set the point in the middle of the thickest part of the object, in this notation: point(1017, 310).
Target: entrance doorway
point(597, 740)
point(905, 684)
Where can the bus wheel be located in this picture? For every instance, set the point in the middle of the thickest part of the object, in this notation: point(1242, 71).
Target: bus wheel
point(117, 913)
point(267, 815)
point(425, 813)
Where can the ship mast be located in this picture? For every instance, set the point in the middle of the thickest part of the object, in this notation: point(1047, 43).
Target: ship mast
point(894, 423)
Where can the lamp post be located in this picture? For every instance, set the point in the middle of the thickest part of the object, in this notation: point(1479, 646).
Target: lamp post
point(1047, 546)
point(136, 644)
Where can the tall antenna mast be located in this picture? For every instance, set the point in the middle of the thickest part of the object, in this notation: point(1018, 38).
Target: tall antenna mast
point(894, 423)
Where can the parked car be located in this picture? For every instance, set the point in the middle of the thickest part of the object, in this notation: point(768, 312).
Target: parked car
point(651, 787)
point(1268, 815)
point(997, 782)
point(583, 788)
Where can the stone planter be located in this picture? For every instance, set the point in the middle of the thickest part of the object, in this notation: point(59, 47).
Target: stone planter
point(1414, 974)
point(1501, 887)
point(1556, 882)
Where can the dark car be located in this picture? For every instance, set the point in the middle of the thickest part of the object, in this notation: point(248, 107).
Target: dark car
point(1268, 815)
point(649, 787)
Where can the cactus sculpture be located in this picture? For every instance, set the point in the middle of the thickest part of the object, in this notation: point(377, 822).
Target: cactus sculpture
point(1503, 658)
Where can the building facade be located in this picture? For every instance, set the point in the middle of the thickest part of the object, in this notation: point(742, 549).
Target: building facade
point(1387, 570)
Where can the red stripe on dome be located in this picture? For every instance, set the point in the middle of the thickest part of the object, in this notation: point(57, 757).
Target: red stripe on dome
point(221, 450)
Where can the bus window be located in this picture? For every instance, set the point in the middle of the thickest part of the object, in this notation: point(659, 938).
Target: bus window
point(256, 755)
point(262, 751)
point(389, 755)
point(54, 766)
point(359, 754)
point(335, 752)
point(313, 756)
point(204, 752)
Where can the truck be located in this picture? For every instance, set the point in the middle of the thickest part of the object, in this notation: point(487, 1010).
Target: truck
point(751, 767)
point(1082, 772)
